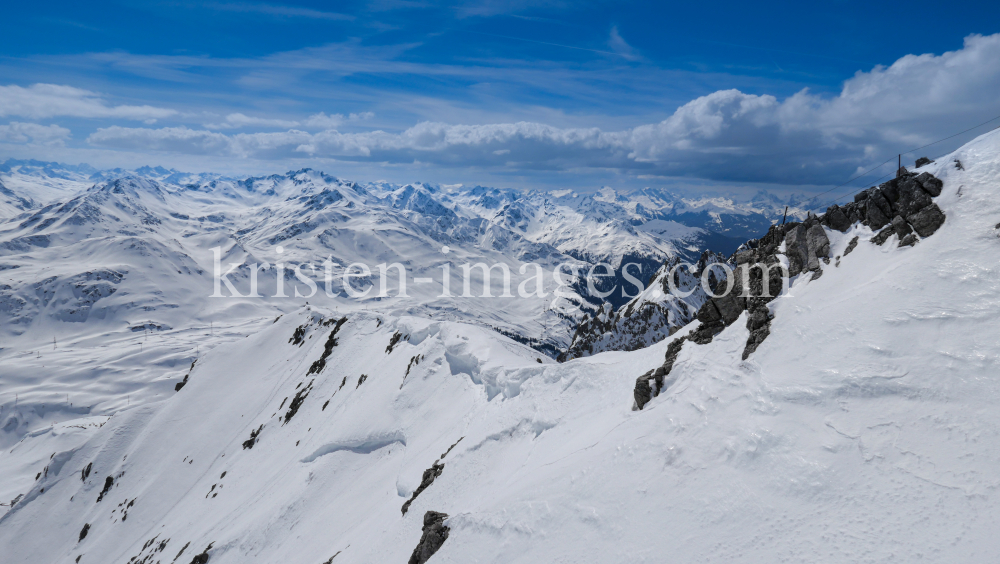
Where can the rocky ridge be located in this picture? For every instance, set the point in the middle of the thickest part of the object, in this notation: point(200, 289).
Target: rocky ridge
point(903, 207)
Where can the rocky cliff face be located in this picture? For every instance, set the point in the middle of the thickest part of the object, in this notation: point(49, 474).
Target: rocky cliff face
point(903, 207)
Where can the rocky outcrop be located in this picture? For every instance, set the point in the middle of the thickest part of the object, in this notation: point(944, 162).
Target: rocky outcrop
point(902, 207)
point(425, 481)
point(435, 533)
point(649, 384)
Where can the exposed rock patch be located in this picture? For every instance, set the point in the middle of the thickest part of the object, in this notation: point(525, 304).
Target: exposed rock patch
point(108, 482)
point(331, 342)
point(300, 397)
point(428, 478)
point(184, 382)
point(435, 533)
point(299, 336)
point(393, 341)
point(249, 443)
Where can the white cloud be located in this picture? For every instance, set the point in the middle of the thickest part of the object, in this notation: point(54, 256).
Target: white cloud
point(323, 121)
point(725, 135)
point(618, 45)
point(236, 121)
point(171, 139)
point(40, 101)
point(33, 133)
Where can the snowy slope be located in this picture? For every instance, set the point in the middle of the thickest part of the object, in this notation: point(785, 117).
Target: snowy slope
point(863, 429)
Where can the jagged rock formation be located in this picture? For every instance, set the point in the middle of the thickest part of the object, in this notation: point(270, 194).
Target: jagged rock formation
point(435, 533)
point(654, 314)
point(906, 199)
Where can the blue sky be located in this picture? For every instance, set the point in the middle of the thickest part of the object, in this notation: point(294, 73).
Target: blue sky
point(529, 94)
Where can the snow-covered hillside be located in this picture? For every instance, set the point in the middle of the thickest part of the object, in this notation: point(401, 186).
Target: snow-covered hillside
point(863, 428)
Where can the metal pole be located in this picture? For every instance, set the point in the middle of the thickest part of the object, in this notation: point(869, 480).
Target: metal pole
point(785, 216)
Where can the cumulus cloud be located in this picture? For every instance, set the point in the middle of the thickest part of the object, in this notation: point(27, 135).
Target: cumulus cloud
point(171, 139)
point(323, 121)
point(40, 101)
point(33, 133)
point(725, 135)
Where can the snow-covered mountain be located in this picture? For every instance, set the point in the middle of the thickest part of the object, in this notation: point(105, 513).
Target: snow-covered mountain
point(120, 260)
point(850, 418)
point(653, 315)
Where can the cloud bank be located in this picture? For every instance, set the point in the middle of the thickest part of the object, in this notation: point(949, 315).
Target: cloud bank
point(41, 101)
point(723, 135)
point(727, 135)
point(33, 134)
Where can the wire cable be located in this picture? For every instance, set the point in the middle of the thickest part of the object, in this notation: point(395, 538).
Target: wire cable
point(890, 159)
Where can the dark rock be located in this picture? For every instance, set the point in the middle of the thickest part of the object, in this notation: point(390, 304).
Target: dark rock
point(797, 250)
point(851, 246)
point(875, 217)
point(882, 236)
point(708, 313)
point(922, 161)
point(331, 342)
point(182, 383)
point(392, 342)
point(297, 401)
point(299, 336)
point(428, 478)
point(912, 197)
point(249, 443)
point(644, 391)
point(900, 226)
point(755, 339)
point(890, 191)
point(930, 184)
point(855, 211)
point(926, 221)
point(730, 307)
point(84, 531)
point(817, 245)
point(878, 198)
point(861, 196)
point(108, 482)
point(835, 218)
point(706, 332)
point(902, 172)
point(85, 473)
point(757, 319)
point(908, 241)
point(435, 533)
point(203, 557)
